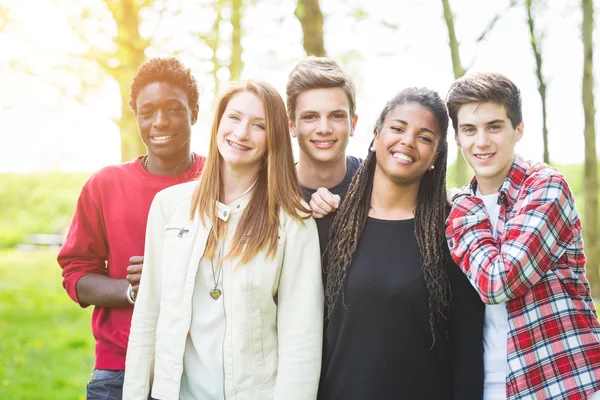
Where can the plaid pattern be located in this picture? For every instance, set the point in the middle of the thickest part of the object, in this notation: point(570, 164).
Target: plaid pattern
point(537, 266)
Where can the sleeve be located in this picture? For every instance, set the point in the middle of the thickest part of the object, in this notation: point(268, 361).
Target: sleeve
point(465, 334)
point(85, 250)
point(300, 314)
point(532, 242)
point(139, 364)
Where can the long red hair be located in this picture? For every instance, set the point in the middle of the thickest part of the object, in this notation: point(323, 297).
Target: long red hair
point(276, 187)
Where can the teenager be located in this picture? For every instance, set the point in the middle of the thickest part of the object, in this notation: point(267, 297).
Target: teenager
point(517, 237)
point(230, 304)
point(321, 106)
point(403, 322)
point(106, 236)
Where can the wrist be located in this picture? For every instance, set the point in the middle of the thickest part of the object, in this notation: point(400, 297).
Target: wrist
point(130, 295)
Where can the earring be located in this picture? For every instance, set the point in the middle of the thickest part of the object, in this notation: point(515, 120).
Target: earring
point(373, 149)
point(432, 167)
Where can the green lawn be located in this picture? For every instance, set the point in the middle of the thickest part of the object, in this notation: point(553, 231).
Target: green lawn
point(46, 345)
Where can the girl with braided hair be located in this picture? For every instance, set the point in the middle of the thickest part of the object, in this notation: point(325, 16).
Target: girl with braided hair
point(402, 320)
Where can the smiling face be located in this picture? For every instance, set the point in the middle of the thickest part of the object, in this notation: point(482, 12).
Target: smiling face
point(242, 135)
point(406, 145)
point(487, 139)
point(323, 124)
point(165, 120)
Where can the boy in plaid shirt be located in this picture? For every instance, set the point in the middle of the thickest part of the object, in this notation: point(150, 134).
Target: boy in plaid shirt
point(517, 237)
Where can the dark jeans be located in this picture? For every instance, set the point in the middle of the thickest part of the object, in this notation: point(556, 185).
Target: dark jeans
point(105, 385)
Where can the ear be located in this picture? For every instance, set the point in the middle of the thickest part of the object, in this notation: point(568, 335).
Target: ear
point(353, 125)
point(292, 128)
point(456, 140)
point(375, 140)
point(194, 115)
point(519, 130)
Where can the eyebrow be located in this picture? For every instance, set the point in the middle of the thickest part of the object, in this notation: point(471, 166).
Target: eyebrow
point(239, 112)
point(422, 129)
point(339, 110)
point(167, 100)
point(495, 121)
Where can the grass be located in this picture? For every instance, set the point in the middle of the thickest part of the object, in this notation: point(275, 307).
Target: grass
point(46, 344)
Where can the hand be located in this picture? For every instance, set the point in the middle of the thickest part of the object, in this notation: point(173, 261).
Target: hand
point(323, 202)
point(535, 166)
point(455, 193)
point(134, 272)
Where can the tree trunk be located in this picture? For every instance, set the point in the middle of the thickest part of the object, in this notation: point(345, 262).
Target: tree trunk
point(590, 226)
point(309, 14)
point(130, 55)
point(540, 77)
point(461, 167)
point(236, 65)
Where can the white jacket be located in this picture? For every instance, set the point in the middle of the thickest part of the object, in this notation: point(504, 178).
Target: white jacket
point(273, 308)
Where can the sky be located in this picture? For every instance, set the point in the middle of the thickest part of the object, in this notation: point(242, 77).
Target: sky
point(396, 45)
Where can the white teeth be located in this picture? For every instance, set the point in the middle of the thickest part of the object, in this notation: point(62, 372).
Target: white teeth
point(401, 156)
point(325, 143)
point(237, 146)
point(484, 157)
point(161, 137)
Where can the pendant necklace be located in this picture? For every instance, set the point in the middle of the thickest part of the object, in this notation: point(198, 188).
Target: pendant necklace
point(216, 293)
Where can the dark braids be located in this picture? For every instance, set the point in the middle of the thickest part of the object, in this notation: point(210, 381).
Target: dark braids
point(430, 215)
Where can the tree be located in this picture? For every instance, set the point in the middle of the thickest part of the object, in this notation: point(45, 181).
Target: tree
point(536, 48)
point(461, 176)
point(590, 231)
point(121, 62)
point(310, 16)
point(236, 64)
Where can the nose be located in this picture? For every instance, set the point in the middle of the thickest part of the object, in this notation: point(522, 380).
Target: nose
point(482, 139)
point(408, 138)
point(241, 131)
point(160, 120)
point(324, 127)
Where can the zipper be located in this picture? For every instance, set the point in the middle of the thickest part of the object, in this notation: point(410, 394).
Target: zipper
point(181, 232)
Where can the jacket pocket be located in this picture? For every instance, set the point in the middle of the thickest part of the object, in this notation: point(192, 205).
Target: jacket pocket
point(177, 230)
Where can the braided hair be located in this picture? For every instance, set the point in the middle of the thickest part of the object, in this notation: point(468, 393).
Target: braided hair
point(430, 215)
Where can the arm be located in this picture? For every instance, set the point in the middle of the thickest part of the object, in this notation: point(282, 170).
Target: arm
point(139, 365)
point(465, 334)
point(83, 258)
point(300, 314)
point(532, 241)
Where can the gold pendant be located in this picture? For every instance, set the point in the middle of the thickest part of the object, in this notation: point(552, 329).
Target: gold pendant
point(215, 293)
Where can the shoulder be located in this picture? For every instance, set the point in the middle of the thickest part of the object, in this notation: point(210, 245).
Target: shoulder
point(353, 163)
point(547, 184)
point(104, 179)
point(289, 223)
point(176, 197)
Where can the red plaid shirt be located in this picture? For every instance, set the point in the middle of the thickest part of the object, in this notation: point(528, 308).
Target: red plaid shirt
point(536, 266)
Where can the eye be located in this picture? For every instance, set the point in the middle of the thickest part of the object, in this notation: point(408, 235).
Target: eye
point(234, 117)
point(146, 113)
point(339, 116)
point(426, 139)
point(397, 129)
point(175, 109)
point(469, 130)
point(495, 127)
point(259, 126)
point(308, 117)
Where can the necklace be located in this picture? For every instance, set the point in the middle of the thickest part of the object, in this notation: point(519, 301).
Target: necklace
point(145, 160)
point(216, 293)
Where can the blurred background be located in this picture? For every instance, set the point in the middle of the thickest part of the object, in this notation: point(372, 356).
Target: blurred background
point(65, 70)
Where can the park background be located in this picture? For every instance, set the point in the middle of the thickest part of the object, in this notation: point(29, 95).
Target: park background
point(65, 69)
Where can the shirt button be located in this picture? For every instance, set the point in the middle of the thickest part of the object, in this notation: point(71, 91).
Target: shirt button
point(224, 214)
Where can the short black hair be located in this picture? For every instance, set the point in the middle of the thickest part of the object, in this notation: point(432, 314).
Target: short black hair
point(164, 69)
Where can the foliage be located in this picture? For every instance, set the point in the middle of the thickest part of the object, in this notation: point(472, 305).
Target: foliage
point(46, 344)
point(36, 203)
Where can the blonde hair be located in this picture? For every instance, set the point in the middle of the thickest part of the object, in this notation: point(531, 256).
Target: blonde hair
point(276, 187)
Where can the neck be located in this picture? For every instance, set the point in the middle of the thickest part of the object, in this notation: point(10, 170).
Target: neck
point(236, 181)
point(392, 201)
point(315, 174)
point(169, 166)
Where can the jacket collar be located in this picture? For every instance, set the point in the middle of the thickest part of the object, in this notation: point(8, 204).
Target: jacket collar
point(236, 206)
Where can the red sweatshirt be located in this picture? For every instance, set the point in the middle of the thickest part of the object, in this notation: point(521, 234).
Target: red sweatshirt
point(109, 227)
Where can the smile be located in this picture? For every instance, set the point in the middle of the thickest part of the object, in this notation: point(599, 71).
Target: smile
point(323, 144)
point(238, 146)
point(403, 157)
point(484, 156)
point(161, 138)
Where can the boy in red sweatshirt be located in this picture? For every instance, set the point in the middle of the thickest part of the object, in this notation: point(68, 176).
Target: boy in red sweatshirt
point(101, 257)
